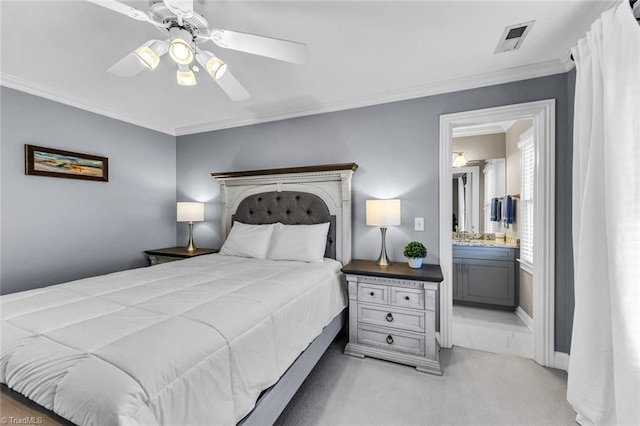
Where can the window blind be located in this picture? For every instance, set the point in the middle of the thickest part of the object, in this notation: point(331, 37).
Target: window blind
point(527, 163)
point(489, 194)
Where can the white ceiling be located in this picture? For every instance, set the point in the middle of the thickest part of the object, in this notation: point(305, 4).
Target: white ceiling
point(361, 53)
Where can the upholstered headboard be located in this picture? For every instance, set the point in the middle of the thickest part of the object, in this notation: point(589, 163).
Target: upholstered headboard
point(299, 195)
point(290, 208)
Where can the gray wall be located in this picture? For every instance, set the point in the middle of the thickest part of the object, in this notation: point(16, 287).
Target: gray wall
point(55, 230)
point(396, 146)
point(564, 237)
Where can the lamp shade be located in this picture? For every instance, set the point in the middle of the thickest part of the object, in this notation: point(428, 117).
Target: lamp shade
point(459, 160)
point(214, 65)
point(150, 52)
point(190, 212)
point(383, 212)
point(179, 48)
point(186, 78)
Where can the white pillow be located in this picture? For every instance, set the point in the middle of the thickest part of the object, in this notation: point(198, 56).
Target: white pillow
point(248, 240)
point(305, 243)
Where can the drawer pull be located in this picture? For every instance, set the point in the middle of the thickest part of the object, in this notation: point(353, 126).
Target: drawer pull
point(372, 294)
point(406, 298)
point(389, 317)
point(390, 339)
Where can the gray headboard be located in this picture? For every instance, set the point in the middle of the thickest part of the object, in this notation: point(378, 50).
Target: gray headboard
point(290, 208)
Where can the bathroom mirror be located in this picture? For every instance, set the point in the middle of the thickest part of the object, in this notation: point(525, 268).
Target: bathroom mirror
point(466, 199)
point(473, 188)
point(482, 178)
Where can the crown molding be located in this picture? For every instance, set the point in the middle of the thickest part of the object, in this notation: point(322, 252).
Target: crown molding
point(483, 129)
point(17, 83)
point(567, 61)
point(542, 69)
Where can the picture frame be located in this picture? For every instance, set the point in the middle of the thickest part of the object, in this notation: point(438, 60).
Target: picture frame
point(41, 161)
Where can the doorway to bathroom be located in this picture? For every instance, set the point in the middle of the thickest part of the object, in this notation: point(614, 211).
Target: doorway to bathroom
point(542, 117)
point(492, 294)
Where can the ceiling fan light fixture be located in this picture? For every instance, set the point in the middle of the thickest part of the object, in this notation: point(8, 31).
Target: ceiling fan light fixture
point(186, 78)
point(179, 48)
point(147, 56)
point(216, 67)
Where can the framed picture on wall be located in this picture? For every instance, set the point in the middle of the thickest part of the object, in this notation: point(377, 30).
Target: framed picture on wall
point(65, 164)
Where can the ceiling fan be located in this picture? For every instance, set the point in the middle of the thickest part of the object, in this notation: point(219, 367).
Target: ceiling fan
point(185, 32)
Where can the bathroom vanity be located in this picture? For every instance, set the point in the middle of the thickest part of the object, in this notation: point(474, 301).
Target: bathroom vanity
point(486, 273)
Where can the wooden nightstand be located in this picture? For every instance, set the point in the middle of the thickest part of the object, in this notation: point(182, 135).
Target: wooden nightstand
point(392, 313)
point(171, 254)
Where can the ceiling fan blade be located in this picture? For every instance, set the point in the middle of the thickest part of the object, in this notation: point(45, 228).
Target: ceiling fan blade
point(232, 87)
point(129, 66)
point(182, 7)
point(129, 11)
point(289, 51)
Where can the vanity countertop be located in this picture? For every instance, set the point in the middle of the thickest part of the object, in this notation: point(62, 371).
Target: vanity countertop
point(484, 243)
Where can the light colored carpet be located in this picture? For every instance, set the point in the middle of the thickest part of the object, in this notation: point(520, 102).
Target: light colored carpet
point(477, 388)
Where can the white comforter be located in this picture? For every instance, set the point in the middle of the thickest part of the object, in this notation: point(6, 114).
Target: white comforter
point(183, 343)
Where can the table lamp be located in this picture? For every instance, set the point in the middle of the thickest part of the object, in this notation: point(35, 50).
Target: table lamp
point(383, 213)
point(190, 212)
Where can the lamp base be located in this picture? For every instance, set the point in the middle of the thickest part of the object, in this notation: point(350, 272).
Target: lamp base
point(383, 260)
point(191, 246)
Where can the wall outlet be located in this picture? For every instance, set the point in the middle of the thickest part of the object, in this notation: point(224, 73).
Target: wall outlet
point(419, 224)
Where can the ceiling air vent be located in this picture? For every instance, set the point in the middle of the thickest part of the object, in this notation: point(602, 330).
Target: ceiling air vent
point(513, 36)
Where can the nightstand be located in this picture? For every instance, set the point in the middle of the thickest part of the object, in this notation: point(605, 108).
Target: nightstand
point(171, 254)
point(392, 313)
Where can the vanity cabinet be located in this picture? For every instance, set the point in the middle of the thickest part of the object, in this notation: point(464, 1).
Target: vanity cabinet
point(485, 275)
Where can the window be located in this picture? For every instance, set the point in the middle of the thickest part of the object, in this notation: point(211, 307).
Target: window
point(527, 163)
point(489, 194)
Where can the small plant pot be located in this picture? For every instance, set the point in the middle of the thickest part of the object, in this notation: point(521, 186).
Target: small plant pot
point(415, 262)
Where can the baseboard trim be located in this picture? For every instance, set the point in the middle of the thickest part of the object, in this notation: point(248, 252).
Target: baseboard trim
point(526, 319)
point(561, 361)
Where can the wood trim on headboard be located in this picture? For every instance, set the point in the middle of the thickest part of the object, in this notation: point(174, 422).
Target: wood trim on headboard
point(332, 183)
point(288, 170)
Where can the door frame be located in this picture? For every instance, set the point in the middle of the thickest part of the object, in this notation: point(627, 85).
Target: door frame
point(544, 118)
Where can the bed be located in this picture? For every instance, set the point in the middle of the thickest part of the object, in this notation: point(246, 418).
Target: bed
point(217, 339)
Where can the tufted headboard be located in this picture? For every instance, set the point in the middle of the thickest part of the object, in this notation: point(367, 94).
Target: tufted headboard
point(297, 195)
point(290, 208)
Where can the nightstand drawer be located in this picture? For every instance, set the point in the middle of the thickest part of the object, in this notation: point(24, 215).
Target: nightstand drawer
point(372, 293)
point(404, 320)
point(390, 339)
point(407, 297)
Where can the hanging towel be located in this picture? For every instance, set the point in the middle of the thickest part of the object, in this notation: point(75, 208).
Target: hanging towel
point(507, 210)
point(495, 210)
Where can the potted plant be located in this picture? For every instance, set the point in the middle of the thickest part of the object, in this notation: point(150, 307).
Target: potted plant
point(415, 251)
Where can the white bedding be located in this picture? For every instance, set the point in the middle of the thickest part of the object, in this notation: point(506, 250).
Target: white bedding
point(181, 343)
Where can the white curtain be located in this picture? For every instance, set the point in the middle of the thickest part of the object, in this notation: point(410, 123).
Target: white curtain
point(604, 369)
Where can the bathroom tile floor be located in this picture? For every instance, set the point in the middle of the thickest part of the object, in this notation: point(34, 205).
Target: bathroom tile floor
point(491, 330)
